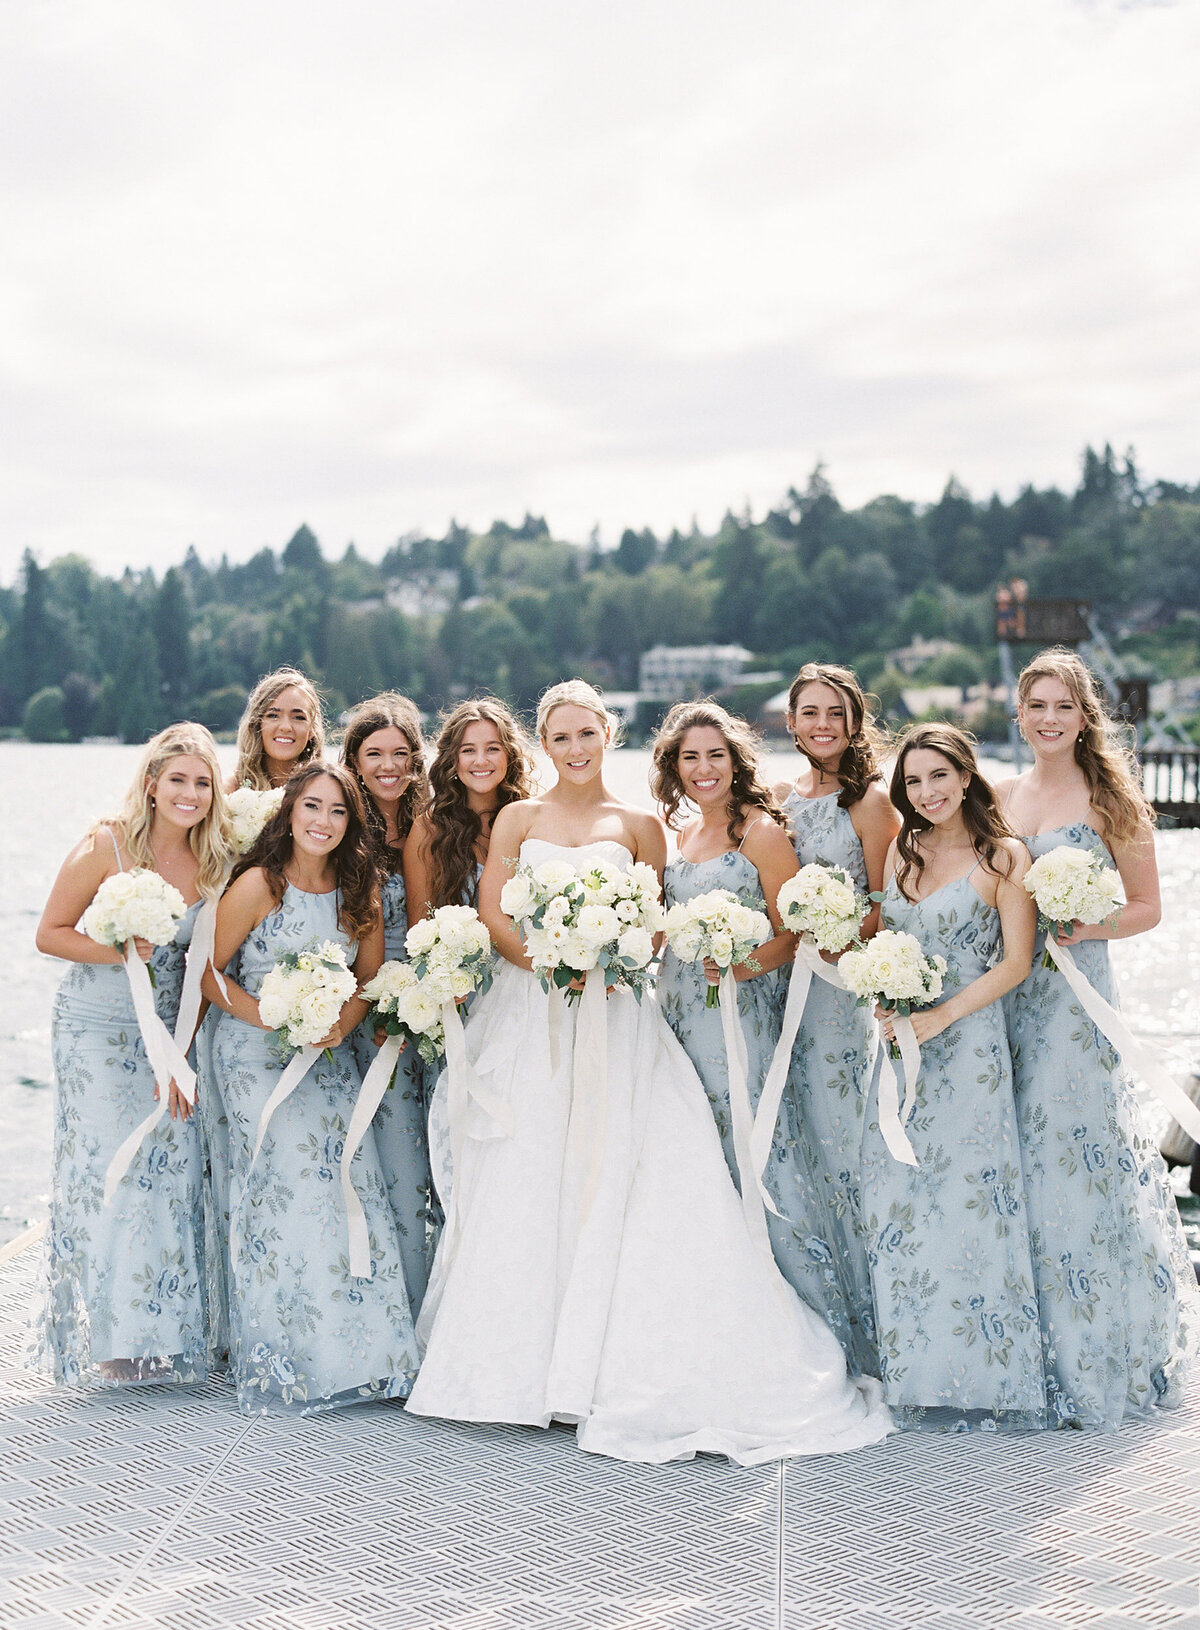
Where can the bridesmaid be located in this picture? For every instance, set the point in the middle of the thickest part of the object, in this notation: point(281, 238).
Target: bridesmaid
point(383, 750)
point(948, 1239)
point(838, 812)
point(1115, 1290)
point(738, 841)
point(483, 760)
point(302, 1331)
point(125, 1293)
point(281, 729)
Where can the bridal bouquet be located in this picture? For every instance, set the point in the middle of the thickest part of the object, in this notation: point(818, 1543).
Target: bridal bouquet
point(1071, 885)
point(138, 904)
point(716, 925)
point(572, 922)
point(249, 812)
point(822, 905)
point(893, 970)
point(303, 994)
point(451, 957)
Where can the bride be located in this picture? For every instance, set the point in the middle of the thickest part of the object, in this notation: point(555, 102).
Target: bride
point(596, 1267)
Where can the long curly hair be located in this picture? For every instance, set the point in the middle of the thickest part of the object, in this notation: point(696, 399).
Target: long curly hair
point(388, 711)
point(981, 813)
point(748, 791)
point(868, 745)
point(1103, 750)
point(210, 839)
point(454, 827)
point(251, 768)
point(353, 859)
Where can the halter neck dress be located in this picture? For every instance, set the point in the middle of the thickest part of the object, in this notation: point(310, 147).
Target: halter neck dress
point(124, 1297)
point(948, 1240)
point(826, 1093)
point(1117, 1297)
point(305, 1335)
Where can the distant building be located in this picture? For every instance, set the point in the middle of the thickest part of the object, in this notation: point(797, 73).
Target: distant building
point(667, 673)
point(911, 657)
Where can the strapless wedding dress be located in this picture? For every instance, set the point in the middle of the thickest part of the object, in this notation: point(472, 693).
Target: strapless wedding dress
point(600, 1271)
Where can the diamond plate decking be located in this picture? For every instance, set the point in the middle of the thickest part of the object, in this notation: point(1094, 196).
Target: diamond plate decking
point(171, 1510)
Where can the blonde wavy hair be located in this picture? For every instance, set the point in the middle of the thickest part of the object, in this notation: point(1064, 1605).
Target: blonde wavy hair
point(748, 791)
point(209, 840)
point(252, 755)
point(576, 693)
point(1102, 749)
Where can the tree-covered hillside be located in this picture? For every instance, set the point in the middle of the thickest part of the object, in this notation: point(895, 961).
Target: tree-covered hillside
point(514, 609)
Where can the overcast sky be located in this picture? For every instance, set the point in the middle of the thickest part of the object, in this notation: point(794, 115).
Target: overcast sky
point(371, 266)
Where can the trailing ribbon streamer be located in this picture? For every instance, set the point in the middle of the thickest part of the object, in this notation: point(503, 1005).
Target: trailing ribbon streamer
point(464, 1088)
point(891, 1117)
point(756, 1202)
point(1134, 1053)
point(370, 1096)
point(294, 1072)
point(808, 962)
point(587, 1122)
point(167, 1053)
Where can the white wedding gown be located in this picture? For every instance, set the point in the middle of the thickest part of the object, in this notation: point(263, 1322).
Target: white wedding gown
point(596, 1267)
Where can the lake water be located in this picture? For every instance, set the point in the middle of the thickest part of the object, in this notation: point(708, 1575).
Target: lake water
point(49, 796)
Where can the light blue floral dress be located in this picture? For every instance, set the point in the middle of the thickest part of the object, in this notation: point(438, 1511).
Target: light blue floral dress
point(1115, 1289)
point(827, 1083)
point(800, 1236)
point(948, 1240)
point(303, 1332)
point(125, 1291)
point(401, 1137)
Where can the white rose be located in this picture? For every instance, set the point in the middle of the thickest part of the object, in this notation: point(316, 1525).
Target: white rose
point(635, 945)
point(598, 924)
point(554, 875)
point(421, 937)
point(516, 898)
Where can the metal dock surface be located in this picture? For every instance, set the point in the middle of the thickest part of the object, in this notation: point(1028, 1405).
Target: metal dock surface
point(165, 1507)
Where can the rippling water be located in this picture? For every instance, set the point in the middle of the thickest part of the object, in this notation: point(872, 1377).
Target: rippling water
point(49, 795)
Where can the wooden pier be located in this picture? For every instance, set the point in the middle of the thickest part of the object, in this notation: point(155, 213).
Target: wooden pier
point(1171, 781)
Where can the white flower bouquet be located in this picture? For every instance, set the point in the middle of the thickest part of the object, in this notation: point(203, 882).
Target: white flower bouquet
point(822, 905)
point(303, 994)
point(716, 925)
point(451, 955)
point(1072, 885)
point(604, 917)
point(249, 812)
point(137, 904)
point(893, 970)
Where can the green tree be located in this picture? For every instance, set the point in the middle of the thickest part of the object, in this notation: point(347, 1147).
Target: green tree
point(43, 719)
point(171, 624)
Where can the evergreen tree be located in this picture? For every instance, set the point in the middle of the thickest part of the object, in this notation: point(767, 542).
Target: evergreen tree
point(171, 625)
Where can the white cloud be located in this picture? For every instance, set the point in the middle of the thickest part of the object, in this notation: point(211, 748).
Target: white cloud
point(372, 268)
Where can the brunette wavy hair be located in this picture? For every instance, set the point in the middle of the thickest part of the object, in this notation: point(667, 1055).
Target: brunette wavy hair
point(868, 745)
point(1102, 749)
point(388, 711)
point(982, 815)
point(210, 840)
point(748, 791)
point(353, 859)
point(454, 827)
point(251, 768)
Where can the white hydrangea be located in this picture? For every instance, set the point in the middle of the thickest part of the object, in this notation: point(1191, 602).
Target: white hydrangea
point(822, 905)
point(137, 904)
point(892, 969)
point(249, 812)
point(1073, 885)
point(303, 994)
point(451, 955)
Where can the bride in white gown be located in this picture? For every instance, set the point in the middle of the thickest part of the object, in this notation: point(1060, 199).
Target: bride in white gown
point(595, 1267)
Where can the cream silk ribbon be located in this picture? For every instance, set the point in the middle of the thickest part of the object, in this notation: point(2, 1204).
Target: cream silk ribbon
point(370, 1096)
point(587, 1123)
point(1134, 1053)
point(167, 1053)
point(296, 1069)
point(464, 1089)
point(808, 964)
point(893, 1118)
point(756, 1202)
